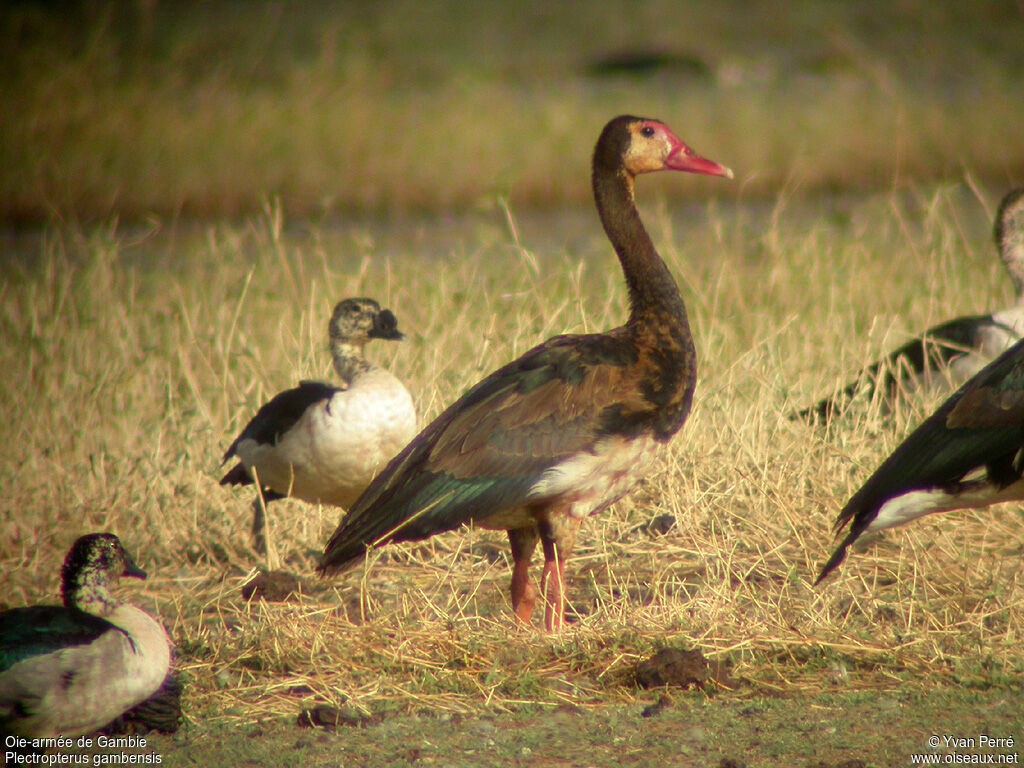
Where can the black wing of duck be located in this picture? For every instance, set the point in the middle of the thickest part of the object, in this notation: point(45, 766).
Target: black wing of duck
point(929, 354)
point(41, 629)
point(949, 354)
point(965, 455)
point(274, 419)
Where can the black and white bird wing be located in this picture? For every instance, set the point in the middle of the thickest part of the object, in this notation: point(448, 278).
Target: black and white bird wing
point(934, 350)
point(980, 429)
point(274, 419)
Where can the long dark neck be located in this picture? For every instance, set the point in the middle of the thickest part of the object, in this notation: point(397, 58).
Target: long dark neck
point(652, 290)
point(657, 318)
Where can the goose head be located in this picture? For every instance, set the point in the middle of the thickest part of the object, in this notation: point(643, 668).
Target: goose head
point(643, 145)
point(353, 323)
point(356, 321)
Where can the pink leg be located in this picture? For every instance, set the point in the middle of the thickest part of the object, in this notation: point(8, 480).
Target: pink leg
point(524, 595)
point(558, 536)
point(551, 584)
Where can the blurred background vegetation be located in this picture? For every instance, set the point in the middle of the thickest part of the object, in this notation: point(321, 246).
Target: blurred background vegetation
point(143, 108)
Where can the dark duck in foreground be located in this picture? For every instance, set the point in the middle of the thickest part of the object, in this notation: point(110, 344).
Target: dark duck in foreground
point(968, 454)
point(569, 427)
point(68, 670)
point(946, 355)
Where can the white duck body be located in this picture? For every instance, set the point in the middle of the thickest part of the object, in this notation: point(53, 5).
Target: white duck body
point(81, 688)
point(324, 444)
point(991, 340)
point(70, 670)
point(339, 442)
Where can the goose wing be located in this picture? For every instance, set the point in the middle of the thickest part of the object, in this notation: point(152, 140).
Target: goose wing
point(281, 413)
point(936, 348)
point(486, 453)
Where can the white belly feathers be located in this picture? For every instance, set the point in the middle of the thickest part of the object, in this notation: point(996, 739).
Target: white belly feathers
point(599, 478)
point(337, 446)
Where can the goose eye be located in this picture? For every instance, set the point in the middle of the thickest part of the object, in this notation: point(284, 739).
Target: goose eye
point(647, 131)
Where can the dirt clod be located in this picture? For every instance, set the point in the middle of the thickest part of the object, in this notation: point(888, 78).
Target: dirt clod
point(275, 586)
point(661, 525)
point(326, 716)
point(673, 666)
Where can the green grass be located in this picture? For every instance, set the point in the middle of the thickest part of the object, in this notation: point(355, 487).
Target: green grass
point(210, 109)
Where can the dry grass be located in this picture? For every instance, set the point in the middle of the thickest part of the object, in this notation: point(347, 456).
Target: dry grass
point(134, 357)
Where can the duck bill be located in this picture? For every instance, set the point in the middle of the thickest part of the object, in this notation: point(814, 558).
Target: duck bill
point(391, 334)
point(131, 569)
point(385, 326)
point(682, 158)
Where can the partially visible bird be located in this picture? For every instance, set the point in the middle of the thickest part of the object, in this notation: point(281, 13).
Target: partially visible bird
point(568, 428)
point(320, 443)
point(69, 670)
point(968, 454)
point(946, 355)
